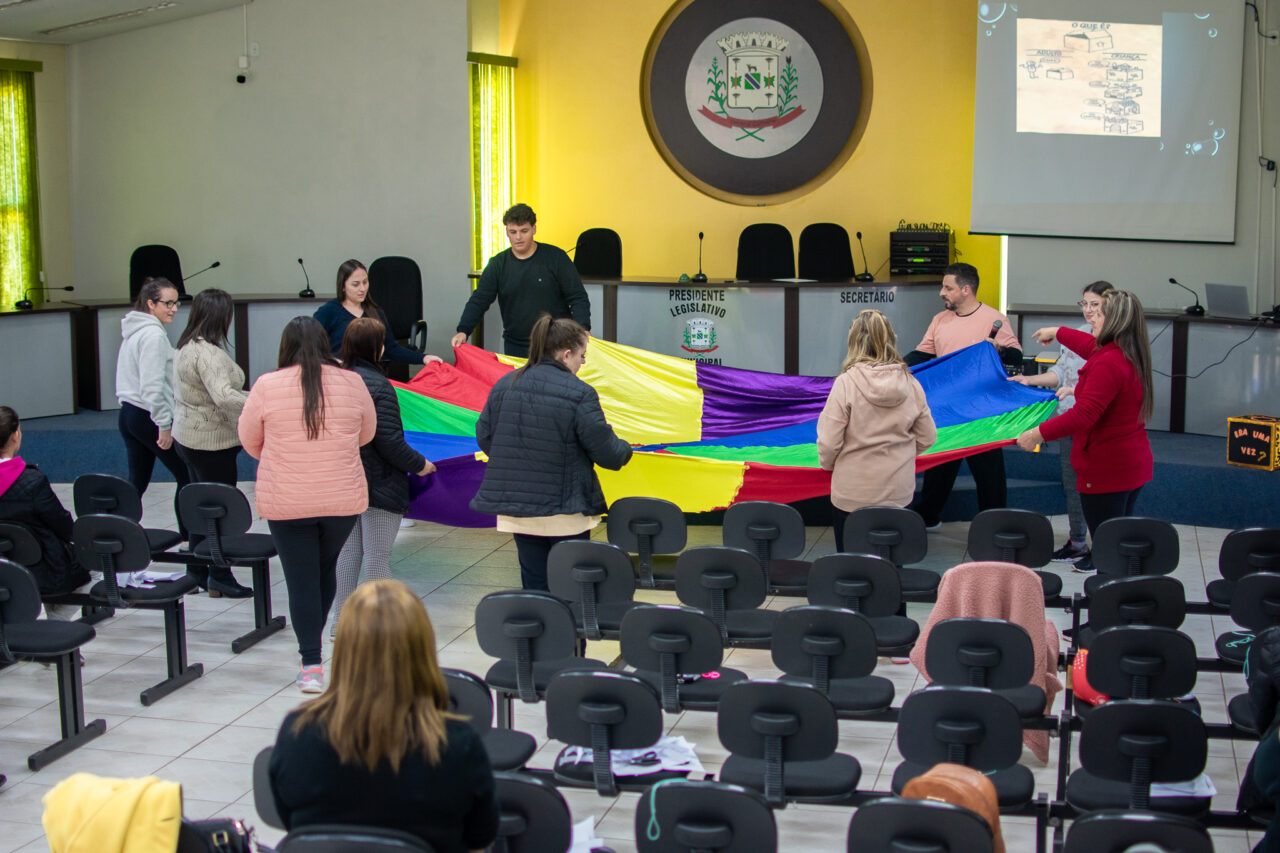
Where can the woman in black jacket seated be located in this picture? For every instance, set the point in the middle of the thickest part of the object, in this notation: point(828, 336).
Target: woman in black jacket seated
point(543, 430)
point(380, 747)
point(26, 498)
point(387, 460)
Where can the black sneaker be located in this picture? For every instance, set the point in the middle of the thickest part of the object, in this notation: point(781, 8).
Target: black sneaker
point(1070, 552)
point(1085, 566)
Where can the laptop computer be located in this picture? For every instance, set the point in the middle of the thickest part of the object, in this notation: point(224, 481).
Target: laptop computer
point(1227, 300)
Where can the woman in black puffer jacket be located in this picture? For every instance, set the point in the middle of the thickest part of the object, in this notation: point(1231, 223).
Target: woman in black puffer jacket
point(388, 460)
point(543, 430)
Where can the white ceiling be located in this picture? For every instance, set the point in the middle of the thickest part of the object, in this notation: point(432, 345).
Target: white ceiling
point(45, 20)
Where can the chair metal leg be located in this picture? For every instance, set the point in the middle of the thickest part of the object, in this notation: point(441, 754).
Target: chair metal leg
point(92, 614)
point(506, 710)
point(175, 642)
point(264, 623)
point(71, 708)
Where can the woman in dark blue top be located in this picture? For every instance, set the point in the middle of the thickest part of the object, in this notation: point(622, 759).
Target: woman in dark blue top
point(354, 301)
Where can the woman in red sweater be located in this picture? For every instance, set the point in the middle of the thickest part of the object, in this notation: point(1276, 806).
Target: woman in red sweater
point(1110, 451)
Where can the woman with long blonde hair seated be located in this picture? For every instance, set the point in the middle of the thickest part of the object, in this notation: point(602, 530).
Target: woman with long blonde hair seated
point(380, 747)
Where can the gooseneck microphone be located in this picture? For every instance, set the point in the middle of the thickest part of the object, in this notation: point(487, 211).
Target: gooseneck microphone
point(995, 328)
point(306, 292)
point(701, 277)
point(25, 304)
point(212, 266)
point(866, 274)
point(1196, 310)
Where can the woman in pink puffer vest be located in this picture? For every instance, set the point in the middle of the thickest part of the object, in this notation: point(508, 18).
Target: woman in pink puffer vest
point(305, 423)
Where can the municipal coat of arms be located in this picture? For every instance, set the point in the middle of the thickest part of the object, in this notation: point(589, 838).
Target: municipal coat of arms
point(755, 75)
point(700, 336)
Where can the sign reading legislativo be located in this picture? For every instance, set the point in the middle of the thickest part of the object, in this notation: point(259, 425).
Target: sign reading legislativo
point(756, 101)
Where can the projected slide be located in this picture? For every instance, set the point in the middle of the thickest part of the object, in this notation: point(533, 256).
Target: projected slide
point(1088, 77)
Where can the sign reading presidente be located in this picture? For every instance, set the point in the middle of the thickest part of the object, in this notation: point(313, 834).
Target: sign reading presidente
point(784, 86)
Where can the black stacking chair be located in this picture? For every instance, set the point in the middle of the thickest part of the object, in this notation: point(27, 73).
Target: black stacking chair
point(648, 527)
point(825, 253)
point(765, 252)
point(508, 749)
point(597, 581)
point(1016, 536)
point(1127, 547)
point(110, 495)
point(395, 283)
point(990, 653)
point(603, 711)
point(1140, 662)
point(154, 261)
point(870, 586)
point(1253, 549)
point(832, 650)
point(964, 725)
point(691, 817)
point(1115, 831)
point(533, 636)
point(727, 584)
point(532, 815)
point(599, 253)
point(24, 637)
point(890, 825)
point(679, 652)
point(1255, 607)
point(898, 535)
point(111, 544)
point(1141, 600)
point(264, 802)
point(1127, 745)
point(221, 514)
point(19, 544)
point(774, 532)
point(782, 739)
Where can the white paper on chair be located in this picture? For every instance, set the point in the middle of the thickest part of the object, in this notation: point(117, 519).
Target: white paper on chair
point(1201, 786)
point(584, 837)
point(148, 578)
point(669, 753)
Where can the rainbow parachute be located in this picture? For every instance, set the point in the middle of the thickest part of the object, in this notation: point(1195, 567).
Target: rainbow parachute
point(706, 436)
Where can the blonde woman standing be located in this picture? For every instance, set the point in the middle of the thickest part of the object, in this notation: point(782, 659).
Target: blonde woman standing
point(875, 423)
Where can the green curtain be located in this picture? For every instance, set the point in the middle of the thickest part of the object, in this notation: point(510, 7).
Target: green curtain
point(493, 185)
point(20, 262)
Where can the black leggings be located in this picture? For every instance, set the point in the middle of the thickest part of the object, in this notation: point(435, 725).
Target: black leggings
point(1107, 505)
point(533, 551)
point(308, 549)
point(140, 434)
point(210, 466)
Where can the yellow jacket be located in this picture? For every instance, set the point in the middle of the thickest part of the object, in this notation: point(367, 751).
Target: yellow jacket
point(92, 814)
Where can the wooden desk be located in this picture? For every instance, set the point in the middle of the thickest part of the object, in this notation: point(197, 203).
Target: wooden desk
point(38, 350)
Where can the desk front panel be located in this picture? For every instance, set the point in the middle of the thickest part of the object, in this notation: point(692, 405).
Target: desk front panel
point(733, 325)
point(1246, 383)
point(37, 351)
point(826, 311)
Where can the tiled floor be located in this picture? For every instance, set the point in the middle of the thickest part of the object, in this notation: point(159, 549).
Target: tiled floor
point(206, 734)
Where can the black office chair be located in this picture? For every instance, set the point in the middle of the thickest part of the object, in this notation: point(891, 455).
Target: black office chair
point(1131, 546)
point(1016, 536)
point(825, 253)
point(1140, 662)
point(395, 283)
point(1255, 607)
point(988, 653)
point(678, 650)
point(508, 749)
point(155, 261)
point(832, 650)
point(533, 816)
point(597, 581)
point(1253, 549)
point(691, 817)
point(765, 252)
point(774, 532)
point(890, 825)
point(1115, 831)
point(1141, 600)
point(870, 586)
point(25, 637)
point(106, 493)
point(599, 253)
point(727, 584)
point(649, 527)
point(898, 535)
point(19, 544)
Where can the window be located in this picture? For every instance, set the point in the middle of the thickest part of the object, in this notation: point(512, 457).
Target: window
point(493, 185)
point(20, 263)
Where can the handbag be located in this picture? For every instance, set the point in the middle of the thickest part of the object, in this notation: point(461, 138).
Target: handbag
point(218, 835)
point(960, 786)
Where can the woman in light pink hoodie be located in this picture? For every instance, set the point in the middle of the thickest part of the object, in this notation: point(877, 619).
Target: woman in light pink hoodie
point(305, 423)
point(875, 423)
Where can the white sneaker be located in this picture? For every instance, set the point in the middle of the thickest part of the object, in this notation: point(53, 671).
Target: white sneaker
point(311, 679)
point(406, 522)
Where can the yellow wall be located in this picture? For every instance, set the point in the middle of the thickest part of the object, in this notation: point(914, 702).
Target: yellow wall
point(585, 159)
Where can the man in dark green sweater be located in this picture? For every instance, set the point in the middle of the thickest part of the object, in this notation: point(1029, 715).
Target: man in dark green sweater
point(528, 280)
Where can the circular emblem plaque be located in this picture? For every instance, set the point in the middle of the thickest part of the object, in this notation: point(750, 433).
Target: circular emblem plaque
point(756, 101)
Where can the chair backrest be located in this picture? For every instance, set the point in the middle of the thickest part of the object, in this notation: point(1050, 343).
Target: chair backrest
point(590, 573)
point(670, 641)
point(19, 544)
point(717, 579)
point(960, 725)
point(647, 526)
point(470, 697)
point(973, 652)
point(681, 816)
point(22, 604)
point(154, 261)
point(351, 838)
point(1141, 741)
point(515, 622)
point(767, 529)
point(395, 283)
point(599, 253)
point(892, 532)
point(822, 643)
point(1253, 549)
point(214, 510)
point(765, 252)
point(1141, 662)
point(1142, 600)
point(891, 824)
point(795, 717)
point(105, 493)
point(1011, 536)
point(1125, 547)
point(533, 816)
point(263, 800)
point(110, 544)
point(825, 253)
point(859, 582)
point(1255, 601)
point(1115, 831)
point(604, 711)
